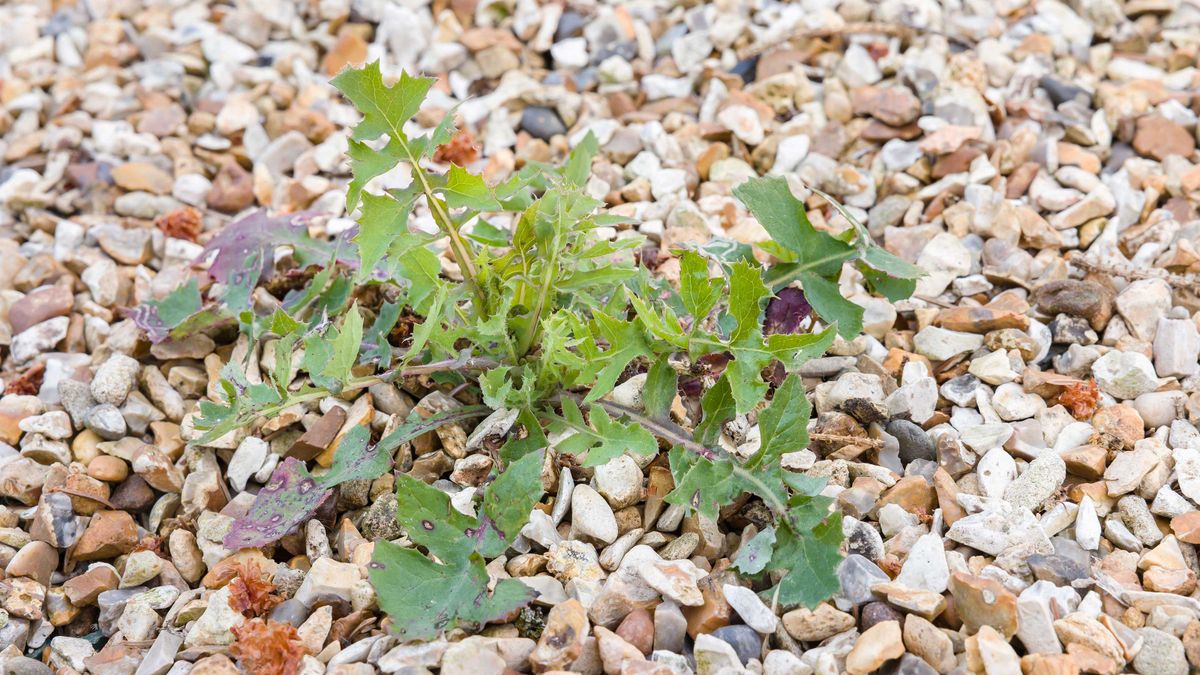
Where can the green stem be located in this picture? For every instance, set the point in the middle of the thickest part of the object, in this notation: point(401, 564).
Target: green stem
point(530, 332)
point(459, 248)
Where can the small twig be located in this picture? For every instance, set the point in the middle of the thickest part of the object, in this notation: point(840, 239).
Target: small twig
point(1128, 271)
point(846, 440)
point(461, 363)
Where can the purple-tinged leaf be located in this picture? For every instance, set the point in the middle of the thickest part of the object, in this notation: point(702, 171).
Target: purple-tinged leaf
point(286, 501)
point(787, 312)
point(181, 313)
point(247, 245)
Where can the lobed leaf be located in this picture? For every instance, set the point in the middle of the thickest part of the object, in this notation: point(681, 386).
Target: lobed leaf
point(424, 598)
point(602, 440)
point(809, 562)
point(385, 109)
point(343, 352)
point(465, 189)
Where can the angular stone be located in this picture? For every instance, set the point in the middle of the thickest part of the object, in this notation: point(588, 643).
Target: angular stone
point(984, 602)
point(876, 646)
point(108, 534)
point(817, 624)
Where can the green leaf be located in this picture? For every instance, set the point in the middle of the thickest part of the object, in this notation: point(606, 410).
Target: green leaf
point(701, 484)
point(416, 425)
point(746, 296)
point(719, 407)
point(444, 132)
point(282, 323)
point(428, 518)
point(465, 189)
point(827, 300)
point(179, 314)
point(379, 349)
point(699, 293)
point(424, 598)
point(604, 439)
point(783, 425)
point(516, 447)
point(490, 235)
point(345, 347)
point(385, 109)
point(810, 560)
point(355, 461)
point(579, 163)
point(883, 261)
point(659, 320)
point(507, 502)
point(753, 556)
point(282, 374)
point(660, 389)
point(318, 354)
point(412, 261)
point(783, 216)
point(626, 343)
point(433, 321)
point(495, 387)
point(383, 220)
point(892, 288)
point(179, 305)
point(365, 165)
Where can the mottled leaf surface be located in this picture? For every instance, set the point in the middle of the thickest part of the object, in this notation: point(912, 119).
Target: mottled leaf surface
point(354, 460)
point(424, 598)
point(247, 246)
point(754, 555)
point(287, 500)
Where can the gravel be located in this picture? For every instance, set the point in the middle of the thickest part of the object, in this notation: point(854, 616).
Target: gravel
point(1028, 496)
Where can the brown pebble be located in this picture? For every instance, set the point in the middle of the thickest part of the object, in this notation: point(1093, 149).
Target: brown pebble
point(40, 305)
point(108, 468)
point(637, 628)
point(108, 535)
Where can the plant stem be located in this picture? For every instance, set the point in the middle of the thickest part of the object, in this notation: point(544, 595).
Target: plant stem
point(530, 331)
point(459, 248)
